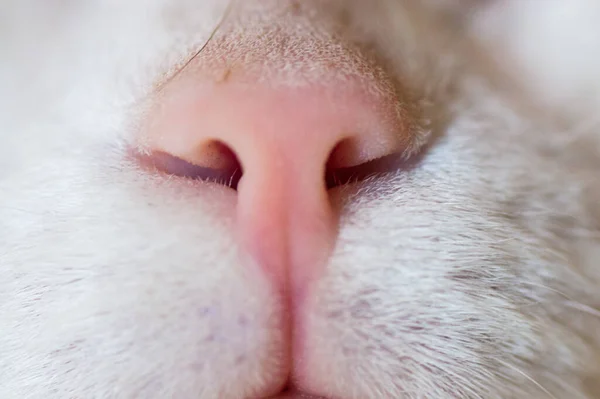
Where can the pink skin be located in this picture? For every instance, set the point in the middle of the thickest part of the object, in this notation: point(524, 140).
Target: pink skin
point(284, 218)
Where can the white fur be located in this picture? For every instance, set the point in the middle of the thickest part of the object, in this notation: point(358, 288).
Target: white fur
point(472, 275)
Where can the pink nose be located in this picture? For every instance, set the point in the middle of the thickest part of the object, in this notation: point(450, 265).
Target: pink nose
point(283, 140)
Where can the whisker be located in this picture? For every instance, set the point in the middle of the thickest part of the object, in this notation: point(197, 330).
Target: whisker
point(572, 303)
point(536, 383)
point(551, 289)
point(584, 308)
point(202, 48)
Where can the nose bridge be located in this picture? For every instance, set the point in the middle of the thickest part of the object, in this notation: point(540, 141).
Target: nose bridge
point(286, 43)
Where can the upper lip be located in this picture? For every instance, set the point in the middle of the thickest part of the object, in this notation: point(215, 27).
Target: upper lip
point(296, 395)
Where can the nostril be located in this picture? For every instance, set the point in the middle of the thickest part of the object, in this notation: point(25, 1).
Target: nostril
point(335, 177)
point(345, 154)
point(214, 154)
point(213, 162)
point(348, 164)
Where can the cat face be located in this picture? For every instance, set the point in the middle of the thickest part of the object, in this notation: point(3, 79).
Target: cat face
point(205, 199)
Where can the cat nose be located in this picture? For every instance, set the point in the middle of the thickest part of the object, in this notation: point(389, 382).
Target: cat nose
point(283, 148)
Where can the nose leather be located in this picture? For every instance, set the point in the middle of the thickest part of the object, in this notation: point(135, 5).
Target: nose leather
point(238, 108)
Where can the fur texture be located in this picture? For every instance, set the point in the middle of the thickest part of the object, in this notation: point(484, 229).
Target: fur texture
point(473, 273)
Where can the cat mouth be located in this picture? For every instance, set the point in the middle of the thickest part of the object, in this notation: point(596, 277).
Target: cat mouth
point(296, 395)
point(292, 392)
